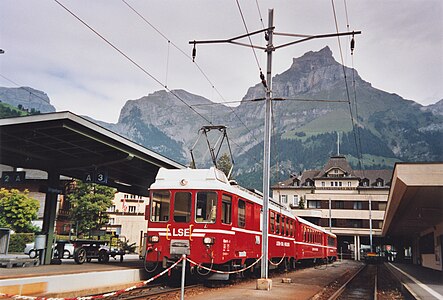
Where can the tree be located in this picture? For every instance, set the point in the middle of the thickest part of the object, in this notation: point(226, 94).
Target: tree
point(89, 203)
point(301, 203)
point(17, 210)
point(224, 163)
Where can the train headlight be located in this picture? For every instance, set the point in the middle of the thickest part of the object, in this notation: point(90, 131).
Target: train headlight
point(208, 241)
point(153, 238)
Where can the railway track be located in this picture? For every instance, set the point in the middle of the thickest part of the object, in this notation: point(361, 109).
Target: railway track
point(155, 292)
point(373, 281)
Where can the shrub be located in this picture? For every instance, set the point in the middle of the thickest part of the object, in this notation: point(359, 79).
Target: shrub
point(18, 241)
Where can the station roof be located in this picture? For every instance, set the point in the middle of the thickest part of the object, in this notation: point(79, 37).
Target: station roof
point(75, 147)
point(415, 201)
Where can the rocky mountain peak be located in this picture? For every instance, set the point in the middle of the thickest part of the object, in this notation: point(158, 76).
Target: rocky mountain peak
point(322, 58)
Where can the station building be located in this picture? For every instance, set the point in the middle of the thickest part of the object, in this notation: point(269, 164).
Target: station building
point(351, 203)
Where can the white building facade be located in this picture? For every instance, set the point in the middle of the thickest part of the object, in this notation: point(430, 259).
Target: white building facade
point(340, 199)
point(127, 217)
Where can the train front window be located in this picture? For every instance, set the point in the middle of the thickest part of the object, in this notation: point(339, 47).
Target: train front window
point(160, 206)
point(182, 207)
point(226, 209)
point(206, 207)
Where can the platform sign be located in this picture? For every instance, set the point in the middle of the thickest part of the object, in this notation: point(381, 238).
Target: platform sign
point(100, 177)
point(13, 177)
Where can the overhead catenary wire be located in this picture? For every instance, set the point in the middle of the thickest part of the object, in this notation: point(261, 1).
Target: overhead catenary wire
point(131, 60)
point(249, 36)
point(191, 59)
point(259, 13)
point(354, 125)
point(137, 65)
point(277, 99)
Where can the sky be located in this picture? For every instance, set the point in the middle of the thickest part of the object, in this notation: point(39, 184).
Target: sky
point(399, 51)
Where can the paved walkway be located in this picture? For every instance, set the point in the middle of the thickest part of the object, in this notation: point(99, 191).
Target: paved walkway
point(305, 284)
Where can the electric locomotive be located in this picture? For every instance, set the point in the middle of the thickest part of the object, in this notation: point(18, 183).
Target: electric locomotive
point(217, 224)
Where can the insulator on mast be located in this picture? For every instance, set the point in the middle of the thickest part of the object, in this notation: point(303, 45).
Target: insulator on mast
point(352, 45)
point(194, 53)
point(263, 80)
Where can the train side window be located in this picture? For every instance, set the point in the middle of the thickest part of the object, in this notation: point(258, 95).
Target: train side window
point(271, 222)
point(206, 207)
point(287, 226)
point(226, 209)
point(241, 213)
point(291, 227)
point(182, 207)
point(277, 224)
point(283, 225)
point(160, 206)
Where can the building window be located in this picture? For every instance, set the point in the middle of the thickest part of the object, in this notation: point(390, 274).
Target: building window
point(382, 206)
point(376, 224)
point(126, 196)
point(332, 183)
point(112, 208)
point(356, 223)
point(349, 183)
point(111, 221)
point(295, 200)
point(132, 209)
point(284, 199)
point(339, 183)
point(314, 204)
point(358, 205)
point(323, 183)
point(340, 204)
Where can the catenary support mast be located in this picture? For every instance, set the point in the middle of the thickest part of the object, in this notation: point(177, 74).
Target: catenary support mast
point(267, 146)
point(268, 110)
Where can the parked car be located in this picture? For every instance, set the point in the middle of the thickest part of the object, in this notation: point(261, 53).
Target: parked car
point(68, 251)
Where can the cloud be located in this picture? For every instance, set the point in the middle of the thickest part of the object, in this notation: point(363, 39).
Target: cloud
point(48, 49)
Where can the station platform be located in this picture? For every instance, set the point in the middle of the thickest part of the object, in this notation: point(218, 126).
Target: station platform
point(422, 283)
point(71, 279)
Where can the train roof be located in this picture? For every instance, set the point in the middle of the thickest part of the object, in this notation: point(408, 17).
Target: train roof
point(301, 220)
point(208, 179)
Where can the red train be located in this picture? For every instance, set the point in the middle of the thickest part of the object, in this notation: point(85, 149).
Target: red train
point(217, 224)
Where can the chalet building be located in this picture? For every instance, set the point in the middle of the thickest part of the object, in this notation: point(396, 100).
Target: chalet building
point(126, 217)
point(340, 199)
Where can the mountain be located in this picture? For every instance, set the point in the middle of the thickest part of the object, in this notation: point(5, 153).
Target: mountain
point(27, 98)
point(307, 118)
point(436, 109)
point(388, 128)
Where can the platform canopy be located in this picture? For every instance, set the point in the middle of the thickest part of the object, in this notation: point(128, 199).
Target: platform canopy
point(72, 146)
point(415, 201)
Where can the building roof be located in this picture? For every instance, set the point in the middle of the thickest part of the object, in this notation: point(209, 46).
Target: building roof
point(415, 199)
point(70, 145)
point(336, 162)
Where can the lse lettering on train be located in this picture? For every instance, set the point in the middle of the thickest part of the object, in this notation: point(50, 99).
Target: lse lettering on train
point(178, 232)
